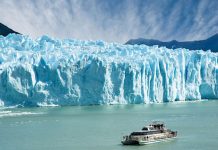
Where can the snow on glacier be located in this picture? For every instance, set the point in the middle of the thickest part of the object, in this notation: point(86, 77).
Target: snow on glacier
point(49, 71)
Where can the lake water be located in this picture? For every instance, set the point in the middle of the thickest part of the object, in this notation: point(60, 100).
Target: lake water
point(102, 127)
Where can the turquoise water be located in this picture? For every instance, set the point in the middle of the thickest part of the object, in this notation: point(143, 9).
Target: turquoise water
point(102, 127)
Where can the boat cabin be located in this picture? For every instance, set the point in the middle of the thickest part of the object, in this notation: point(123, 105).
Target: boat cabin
point(157, 125)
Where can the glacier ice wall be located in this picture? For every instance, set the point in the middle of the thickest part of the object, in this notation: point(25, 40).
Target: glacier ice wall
point(48, 71)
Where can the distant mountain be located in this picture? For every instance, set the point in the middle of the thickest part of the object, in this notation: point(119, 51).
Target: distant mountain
point(4, 30)
point(210, 43)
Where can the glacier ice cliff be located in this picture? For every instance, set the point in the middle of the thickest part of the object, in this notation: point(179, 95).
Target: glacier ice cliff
point(49, 71)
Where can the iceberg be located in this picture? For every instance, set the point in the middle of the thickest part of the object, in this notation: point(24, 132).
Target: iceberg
point(48, 71)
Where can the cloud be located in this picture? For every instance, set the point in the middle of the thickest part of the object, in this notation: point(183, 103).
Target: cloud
point(114, 20)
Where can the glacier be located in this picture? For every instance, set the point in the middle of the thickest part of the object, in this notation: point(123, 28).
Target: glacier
point(49, 71)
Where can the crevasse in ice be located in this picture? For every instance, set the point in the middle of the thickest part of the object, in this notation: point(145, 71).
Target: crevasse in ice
point(49, 71)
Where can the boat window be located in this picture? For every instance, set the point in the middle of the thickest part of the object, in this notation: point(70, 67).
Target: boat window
point(139, 133)
point(144, 128)
point(145, 133)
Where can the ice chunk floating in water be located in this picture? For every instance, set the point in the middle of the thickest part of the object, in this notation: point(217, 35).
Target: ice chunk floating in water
point(16, 113)
point(49, 71)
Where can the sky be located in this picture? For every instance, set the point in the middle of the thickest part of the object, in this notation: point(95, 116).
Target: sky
point(112, 20)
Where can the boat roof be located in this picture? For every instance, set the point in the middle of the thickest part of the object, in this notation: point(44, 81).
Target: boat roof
point(145, 130)
point(157, 123)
